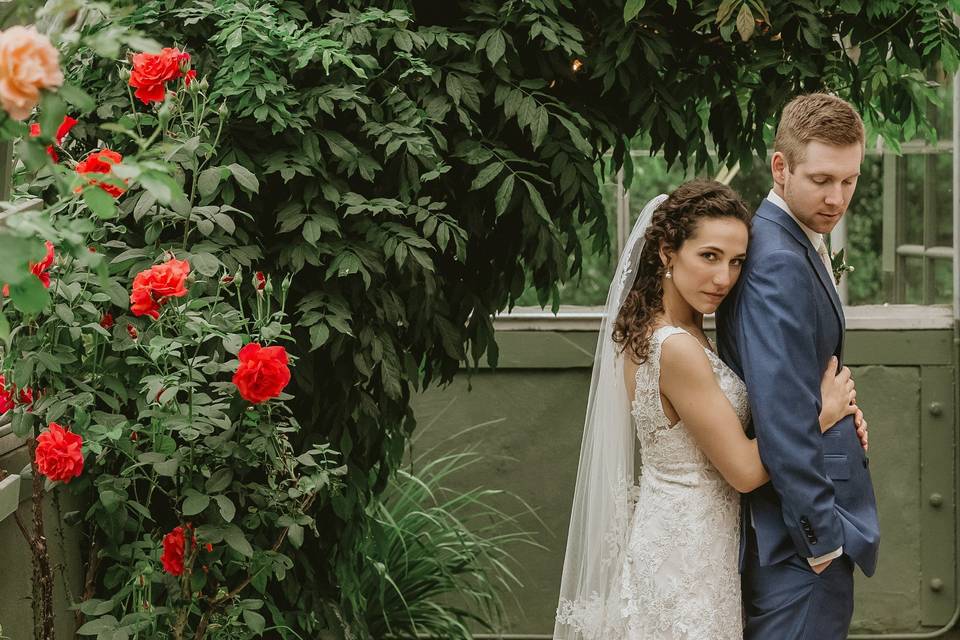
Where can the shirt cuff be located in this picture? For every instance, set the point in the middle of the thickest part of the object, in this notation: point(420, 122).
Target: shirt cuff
point(827, 556)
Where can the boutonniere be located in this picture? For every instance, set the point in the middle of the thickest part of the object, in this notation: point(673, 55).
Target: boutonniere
point(840, 266)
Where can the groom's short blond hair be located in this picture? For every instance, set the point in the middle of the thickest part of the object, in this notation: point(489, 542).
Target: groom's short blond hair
point(816, 116)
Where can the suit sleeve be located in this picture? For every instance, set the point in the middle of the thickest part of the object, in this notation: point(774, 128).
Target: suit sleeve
point(777, 338)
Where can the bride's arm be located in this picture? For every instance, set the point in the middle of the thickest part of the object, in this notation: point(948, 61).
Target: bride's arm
point(689, 386)
point(691, 392)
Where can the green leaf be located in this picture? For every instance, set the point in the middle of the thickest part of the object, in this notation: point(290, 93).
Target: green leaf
point(503, 195)
point(539, 127)
point(486, 175)
point(227, 508)
point(537, 200)
point(496, 46)
point(17, 254)
point(77, 97)
point(219, 480)
point(52, 110)
point(22, 424)
point(195, 504)
point(167, 469)
point(745, 22)
point(632, 8)
point(725, 10)
point(100, 202)
point(319, 333)
point(255, 621)
point(577, 138)
point(234, 537)
point(100, 625)
point(295, 535)
point(233, 40)
point(29, 296)
point(243, 176)
point(209, 180)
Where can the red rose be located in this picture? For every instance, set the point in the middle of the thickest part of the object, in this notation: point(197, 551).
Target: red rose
point(6, 395)
point(152, 71)
point(101, 162)
point(39, 269)
point(153, 287)
point(25, 396)
point(62, 132)
point(132, 331)
point(172, 556)
point(189, 77)
point(263, 372)
point(260, 280)
point(59, 454)
point(106, 320)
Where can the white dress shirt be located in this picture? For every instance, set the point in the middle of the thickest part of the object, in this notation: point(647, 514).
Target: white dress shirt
point(817, 241)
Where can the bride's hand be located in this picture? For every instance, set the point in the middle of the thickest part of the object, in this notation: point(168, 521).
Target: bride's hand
point(838, 395)
point(862, 431)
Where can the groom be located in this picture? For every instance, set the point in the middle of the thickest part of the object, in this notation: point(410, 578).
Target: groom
point(817, 517)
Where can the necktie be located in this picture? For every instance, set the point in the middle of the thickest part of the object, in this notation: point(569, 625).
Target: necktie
point(825, 257)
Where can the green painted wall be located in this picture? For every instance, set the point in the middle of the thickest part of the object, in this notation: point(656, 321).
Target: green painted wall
point(16, 615)
point(527, 416)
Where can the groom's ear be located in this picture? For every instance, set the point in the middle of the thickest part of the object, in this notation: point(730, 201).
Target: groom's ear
point(778, 167)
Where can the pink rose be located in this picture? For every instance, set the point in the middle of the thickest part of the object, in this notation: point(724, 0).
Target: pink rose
point(28, 64)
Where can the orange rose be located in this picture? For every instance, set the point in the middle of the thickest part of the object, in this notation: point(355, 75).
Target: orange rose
point(28, 64)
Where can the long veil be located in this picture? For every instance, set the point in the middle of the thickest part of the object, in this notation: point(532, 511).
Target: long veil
point(604, 496)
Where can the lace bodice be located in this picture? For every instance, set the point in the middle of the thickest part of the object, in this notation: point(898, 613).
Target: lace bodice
point(667, 448)
point(679, 577)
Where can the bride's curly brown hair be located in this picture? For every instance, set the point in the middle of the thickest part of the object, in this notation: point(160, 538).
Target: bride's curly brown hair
point(672, 223)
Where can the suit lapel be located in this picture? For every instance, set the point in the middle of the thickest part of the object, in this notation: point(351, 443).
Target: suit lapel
point(775, 214)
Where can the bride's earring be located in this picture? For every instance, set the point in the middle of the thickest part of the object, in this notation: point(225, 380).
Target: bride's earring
point(668, 274)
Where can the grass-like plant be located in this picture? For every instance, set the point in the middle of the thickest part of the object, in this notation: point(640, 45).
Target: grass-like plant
point(440, 559)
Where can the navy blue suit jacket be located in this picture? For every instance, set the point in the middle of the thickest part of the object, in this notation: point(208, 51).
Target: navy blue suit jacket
point(777, 330)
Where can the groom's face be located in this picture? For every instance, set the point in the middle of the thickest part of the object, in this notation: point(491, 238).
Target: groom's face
point(818, 189)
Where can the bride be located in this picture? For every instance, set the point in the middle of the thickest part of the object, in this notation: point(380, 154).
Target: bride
point(658, 561)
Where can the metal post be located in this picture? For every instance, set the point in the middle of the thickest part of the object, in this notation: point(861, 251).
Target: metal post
point(6, 170)
point(956, 196)
point(889, 254)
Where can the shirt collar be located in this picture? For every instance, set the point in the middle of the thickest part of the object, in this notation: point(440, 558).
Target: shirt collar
point(815, 238)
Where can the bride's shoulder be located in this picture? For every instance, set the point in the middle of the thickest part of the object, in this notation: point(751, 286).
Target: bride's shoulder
point(682, 355)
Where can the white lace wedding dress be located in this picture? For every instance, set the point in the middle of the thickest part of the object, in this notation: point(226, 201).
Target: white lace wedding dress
point(679, 579)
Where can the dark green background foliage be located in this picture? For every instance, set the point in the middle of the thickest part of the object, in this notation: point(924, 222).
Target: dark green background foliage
point(420, 161)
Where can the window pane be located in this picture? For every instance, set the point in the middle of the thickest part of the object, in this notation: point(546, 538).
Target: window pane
point(910, 172)
point(912, 283)
point(942, 282)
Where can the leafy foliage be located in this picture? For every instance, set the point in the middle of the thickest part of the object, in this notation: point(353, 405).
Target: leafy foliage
point(417, 162)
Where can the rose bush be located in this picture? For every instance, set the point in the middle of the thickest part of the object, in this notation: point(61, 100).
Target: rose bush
point(144, 327)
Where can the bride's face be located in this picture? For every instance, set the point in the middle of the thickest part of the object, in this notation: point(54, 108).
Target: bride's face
point(708, 263)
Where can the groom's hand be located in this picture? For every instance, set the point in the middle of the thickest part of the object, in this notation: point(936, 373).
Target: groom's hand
point(820, 568)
